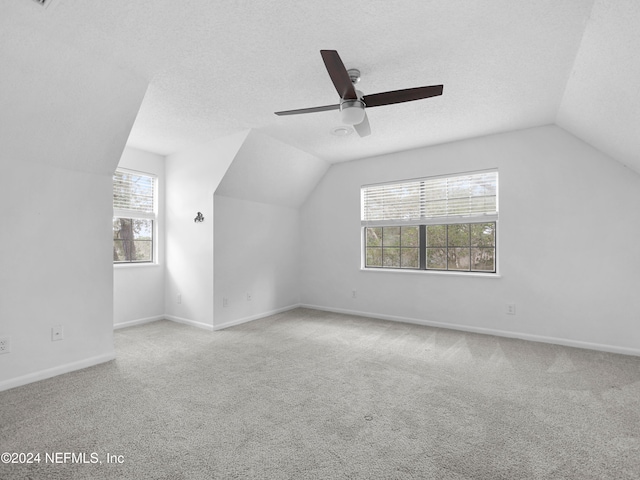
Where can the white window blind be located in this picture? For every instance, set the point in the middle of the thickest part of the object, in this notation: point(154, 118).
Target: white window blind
point(432, 200)
point(133, 194)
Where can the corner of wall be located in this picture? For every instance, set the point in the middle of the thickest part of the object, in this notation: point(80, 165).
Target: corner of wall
point(192, 177)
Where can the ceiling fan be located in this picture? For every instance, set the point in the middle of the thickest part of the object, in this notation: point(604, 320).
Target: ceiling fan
point(353, 102)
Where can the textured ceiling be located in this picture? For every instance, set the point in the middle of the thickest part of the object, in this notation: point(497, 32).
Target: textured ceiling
point(216, 68)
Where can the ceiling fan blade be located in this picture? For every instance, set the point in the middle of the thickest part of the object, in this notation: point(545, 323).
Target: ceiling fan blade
point(399, 96)
point(309, 110)
point(338, 74)
point(363, 128)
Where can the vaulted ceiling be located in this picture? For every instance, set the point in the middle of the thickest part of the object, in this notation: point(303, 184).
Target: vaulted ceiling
point(215, 68)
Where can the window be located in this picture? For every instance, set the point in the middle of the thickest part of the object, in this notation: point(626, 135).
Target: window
point(394, 247)
point(134, 217)
point(439, 223)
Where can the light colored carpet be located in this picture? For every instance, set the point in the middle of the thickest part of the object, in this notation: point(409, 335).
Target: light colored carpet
point(314, 395)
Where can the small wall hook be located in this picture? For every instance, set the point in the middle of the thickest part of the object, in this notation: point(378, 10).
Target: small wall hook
point(199, 218)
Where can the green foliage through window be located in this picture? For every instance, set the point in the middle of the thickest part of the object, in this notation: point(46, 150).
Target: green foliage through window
point(393, 247)
point(463, 247)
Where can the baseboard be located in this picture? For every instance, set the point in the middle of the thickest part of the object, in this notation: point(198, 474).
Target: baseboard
point(59, 370)
point(486, 331)
point(204, 326)
point(186, 321)
point(240, 321)
point(139, 321)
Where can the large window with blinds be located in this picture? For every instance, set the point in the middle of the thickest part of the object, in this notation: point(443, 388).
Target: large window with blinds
point(134, 217)
point(446, 223)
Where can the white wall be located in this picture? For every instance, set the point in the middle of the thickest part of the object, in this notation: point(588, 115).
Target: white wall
point(54, 270)
point(257, 248)
point(138, 290)
point(567, 243)
point(192, 177)
point(257, 229)
point(64, 121)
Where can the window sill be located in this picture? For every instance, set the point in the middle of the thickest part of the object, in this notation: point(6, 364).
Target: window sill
point(135, 265)
point(431, 272)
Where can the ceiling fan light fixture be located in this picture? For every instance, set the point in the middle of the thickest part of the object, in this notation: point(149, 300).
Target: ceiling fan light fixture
point(352, 111)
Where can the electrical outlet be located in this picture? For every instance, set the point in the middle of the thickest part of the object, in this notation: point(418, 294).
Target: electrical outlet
point(510, 309)
point(248, 297)
point(354, 294)
point(225, 302)
point(5, 345)
point(179, 298)
point(57, 333)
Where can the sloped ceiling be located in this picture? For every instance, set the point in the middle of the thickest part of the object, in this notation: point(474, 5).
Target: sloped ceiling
point(266, 170)
point(79, 123)
point(602, 102)
point(217, 67)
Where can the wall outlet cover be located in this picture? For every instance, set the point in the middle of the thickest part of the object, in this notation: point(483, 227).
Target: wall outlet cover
point(57, 333)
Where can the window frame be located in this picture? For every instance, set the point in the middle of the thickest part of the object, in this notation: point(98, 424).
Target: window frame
point(424, 221)
point(423, 249)
point(132, 214)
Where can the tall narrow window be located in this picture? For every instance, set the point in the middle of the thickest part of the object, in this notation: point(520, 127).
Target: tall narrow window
point(437, 223)
point(134, 217)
